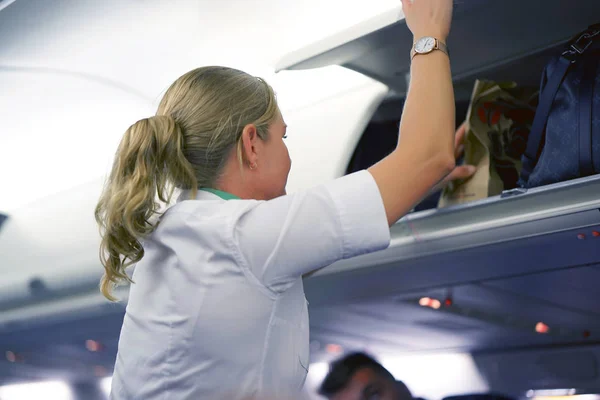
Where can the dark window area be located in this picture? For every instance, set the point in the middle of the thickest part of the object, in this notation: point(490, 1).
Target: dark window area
point(3, 218)
point(380, 138)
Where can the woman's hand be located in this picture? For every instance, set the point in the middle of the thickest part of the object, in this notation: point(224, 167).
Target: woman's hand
point(461, 171)
point(428, 17)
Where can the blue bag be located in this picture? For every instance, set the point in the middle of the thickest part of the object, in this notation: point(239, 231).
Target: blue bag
point(564, 142)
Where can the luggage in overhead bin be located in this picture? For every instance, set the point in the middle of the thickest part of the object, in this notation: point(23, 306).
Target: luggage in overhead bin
point(564, 143)
point(498, 123)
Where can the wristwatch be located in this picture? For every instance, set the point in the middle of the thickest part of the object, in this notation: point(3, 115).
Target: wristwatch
point(426, 45)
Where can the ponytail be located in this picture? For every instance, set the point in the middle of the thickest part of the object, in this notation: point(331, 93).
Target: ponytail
point(149, 163)
point(199, 123)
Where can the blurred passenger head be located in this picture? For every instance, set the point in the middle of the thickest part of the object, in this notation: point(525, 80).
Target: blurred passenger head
point(358, 376)
point(214, 126)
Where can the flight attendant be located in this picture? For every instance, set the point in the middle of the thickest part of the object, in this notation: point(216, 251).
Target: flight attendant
point(217, 308)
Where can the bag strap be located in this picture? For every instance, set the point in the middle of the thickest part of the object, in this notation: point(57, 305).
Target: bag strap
point(576, 48)
point(586, 99)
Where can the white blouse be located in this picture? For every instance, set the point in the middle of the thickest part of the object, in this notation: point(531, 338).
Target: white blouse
point(218, 303)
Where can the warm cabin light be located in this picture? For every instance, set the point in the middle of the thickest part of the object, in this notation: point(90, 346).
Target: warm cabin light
point(333, 348)
point(93, 346)
point(542, 328)
point(429, 302)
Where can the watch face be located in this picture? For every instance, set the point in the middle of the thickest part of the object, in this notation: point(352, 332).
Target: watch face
point(425, 45)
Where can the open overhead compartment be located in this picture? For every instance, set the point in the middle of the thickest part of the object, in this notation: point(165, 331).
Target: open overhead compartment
point(487, 37)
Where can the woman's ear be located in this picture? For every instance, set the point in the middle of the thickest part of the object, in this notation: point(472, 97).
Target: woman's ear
point(249, 145)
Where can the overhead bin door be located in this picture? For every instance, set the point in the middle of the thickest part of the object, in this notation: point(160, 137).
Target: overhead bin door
point(486, 34)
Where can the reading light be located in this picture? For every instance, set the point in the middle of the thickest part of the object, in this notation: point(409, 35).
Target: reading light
point(542, 328)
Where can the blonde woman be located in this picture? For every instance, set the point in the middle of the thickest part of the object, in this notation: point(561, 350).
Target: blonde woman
point(217, 305)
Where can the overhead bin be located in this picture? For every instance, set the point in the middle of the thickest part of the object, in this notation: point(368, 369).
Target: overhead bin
point(486, 36)
point(496, 237)
point(512, 216)
point(542, 229)
point(517, 233)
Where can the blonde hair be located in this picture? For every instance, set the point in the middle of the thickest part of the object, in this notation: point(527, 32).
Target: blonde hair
point(185, 145)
